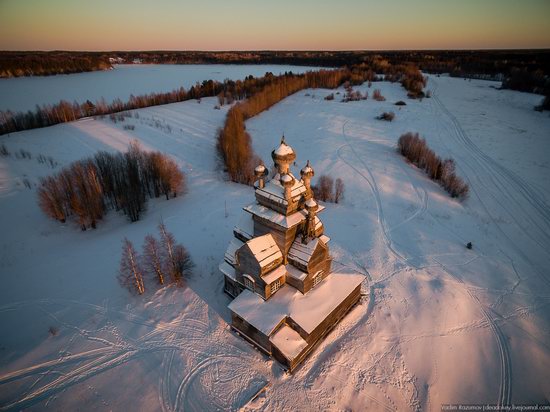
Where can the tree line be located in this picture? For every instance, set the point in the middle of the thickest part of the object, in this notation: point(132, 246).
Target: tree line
point(162, 259)
point(416, 150)
point(234, 143)
point(64, 111)
point(16, 64)
point(88, 188)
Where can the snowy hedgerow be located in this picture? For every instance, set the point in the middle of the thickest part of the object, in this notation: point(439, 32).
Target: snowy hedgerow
point(415, 149)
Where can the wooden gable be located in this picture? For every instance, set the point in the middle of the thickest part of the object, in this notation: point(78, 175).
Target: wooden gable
point(308, 257)
point(258, 256)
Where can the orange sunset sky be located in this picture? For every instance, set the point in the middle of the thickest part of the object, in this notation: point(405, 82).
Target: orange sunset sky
point(277, 25)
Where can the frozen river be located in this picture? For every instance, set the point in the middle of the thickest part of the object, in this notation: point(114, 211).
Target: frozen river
point(24, 93)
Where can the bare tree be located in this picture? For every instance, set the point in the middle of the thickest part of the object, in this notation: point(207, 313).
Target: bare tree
point(339, 190)
point(323, 189)
point(131, 273)
point(153, 257)
point(177, 260)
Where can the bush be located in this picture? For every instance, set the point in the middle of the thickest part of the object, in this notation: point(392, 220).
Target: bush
point(388, 116)
point(417, 152)
point(327, 191)
point(323, 189)
point(377, 95)
point(330, 97)
point(122, 181)
point(400, 103)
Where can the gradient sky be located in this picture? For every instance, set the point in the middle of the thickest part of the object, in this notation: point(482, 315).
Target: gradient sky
point(273, 24)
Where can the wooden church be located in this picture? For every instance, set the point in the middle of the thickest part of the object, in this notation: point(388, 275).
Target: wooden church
point(278, 267)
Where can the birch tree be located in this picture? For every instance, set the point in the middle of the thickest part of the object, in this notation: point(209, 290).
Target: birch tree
point(153, 258)
point(131, 273)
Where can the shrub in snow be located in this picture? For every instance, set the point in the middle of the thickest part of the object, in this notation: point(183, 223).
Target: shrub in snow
point(388, 116)
point(400, 103)
point(4, 150)
point(330, 97)
point(377, 95)
point(417, 152)
point(327, 190)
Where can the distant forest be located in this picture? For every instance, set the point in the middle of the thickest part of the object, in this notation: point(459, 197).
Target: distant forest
point(523, 70)
point(18, 64)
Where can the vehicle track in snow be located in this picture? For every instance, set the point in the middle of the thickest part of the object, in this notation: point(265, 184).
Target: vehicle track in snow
point(493, 177)
point(505, 387)
point(495, 172)
point(375, 191)
point(166, 339)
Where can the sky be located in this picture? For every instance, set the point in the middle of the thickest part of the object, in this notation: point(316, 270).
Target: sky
point(273, 24)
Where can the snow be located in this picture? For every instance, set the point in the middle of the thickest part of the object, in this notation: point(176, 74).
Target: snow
point(283, 150)
point(307, 310)
point(260, 169)
point(325, 239)
point(275, 274)
point(288, 341)
point(307, 170)
point(431, 303)
point(302, 253)
point(286, 178)
point(232, 248)
point(274, 190)
point(245, 227)
point(295, 273)
point(264, 249)
point(227, 270)
point(310, 203)
point(24, 93)
point(275, 217)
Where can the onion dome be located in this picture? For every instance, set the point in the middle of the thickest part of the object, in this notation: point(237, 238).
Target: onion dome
point(311, 205)
point(260, 170)
point(284, 153)
point(286, 180)
point(307, 171)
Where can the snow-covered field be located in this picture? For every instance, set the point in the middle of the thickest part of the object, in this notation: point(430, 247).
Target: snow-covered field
point(439, 323)
point(24, 93)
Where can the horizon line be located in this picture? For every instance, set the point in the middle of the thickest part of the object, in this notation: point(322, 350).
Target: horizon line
point(274, 50)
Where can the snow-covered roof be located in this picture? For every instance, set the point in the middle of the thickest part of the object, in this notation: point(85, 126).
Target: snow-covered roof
point(293, 272)
point(265, 249)
point(260, 168)
point(273, 189)
point(227, 270)
point(245, 227)
point(311, 203)
point(325, 239)
point(283, 149)
point(286, 178)
point(278, 218)
point(301, 253)
point(288, 341)
point(307, 170)
point(307, 310)
point(275, 274)
point(231, 249)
